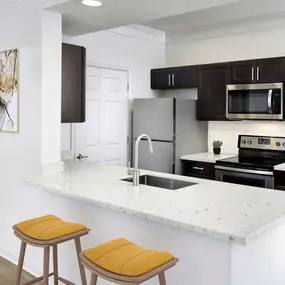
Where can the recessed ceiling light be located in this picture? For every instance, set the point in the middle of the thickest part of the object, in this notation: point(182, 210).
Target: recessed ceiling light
point(93, 3)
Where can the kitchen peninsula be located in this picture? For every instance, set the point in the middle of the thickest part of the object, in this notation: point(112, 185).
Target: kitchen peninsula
point(222, 233)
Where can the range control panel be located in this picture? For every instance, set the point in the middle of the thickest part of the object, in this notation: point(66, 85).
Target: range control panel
point(258, 142)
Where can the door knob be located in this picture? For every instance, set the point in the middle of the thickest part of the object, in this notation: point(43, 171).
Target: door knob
point(80, 156)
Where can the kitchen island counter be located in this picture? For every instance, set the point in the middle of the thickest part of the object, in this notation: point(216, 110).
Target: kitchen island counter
point(225, 211)
point(222, 233)
point(280, 167)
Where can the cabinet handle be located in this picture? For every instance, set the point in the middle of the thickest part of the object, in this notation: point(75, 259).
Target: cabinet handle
point(198, 168)
point(258, 72)
point(252, 73)
point(173, 79)
point(169, 79)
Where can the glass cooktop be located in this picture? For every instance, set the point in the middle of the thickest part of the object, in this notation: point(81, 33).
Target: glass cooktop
point(250, 162)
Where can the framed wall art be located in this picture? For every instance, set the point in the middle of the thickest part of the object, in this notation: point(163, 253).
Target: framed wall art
point(9, 90)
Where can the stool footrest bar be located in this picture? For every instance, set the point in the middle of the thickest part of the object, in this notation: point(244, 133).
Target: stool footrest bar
point(65, 281)
point(37, 279)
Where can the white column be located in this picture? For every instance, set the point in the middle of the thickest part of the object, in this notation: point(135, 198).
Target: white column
point(51, 87)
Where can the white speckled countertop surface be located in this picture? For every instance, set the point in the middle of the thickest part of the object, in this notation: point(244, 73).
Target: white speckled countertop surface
point(207, 157)
point(229, 212)
point(280, 167)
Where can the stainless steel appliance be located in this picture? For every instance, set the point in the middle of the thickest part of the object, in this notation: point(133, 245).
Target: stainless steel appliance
point(255, 101)
point(255, 162)
point(173, 129)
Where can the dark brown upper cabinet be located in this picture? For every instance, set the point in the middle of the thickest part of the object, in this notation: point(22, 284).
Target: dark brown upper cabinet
point(162, 78)
point(186, 77)
point(212, 82)
point(242, 72)
point(268, 70)
point(174, 78)
point(73, 84)
point(271, 70)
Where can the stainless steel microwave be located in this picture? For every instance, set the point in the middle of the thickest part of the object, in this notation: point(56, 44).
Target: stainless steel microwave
point(255, 102)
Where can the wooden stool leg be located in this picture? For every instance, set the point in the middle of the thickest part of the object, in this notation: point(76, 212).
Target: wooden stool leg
point(94, 279)
point(162, 278)
point(21, 262)
point(81, 268)
point(55, 264)
point(46, 265)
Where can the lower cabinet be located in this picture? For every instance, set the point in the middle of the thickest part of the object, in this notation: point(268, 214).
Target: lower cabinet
point(198, 169)
point(279, 178)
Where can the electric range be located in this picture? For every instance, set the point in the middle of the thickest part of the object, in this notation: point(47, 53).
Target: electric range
point(254, 165)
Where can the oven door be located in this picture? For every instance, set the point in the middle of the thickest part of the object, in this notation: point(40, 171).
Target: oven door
point(257, 178)
point(255, 101)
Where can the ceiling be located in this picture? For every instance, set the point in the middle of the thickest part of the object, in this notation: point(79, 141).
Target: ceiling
point(242, 11)
point(5, 3)
point(79, 19)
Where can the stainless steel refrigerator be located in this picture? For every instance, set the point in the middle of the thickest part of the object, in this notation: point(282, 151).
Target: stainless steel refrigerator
point(174, 130)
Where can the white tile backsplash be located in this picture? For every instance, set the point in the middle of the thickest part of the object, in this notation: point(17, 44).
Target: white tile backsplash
point(228, 132)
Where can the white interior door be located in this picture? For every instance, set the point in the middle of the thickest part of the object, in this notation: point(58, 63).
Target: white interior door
point(103, 137)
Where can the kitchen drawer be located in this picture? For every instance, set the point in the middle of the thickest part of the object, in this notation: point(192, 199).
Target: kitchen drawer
point(279, 179)
point(198, 169)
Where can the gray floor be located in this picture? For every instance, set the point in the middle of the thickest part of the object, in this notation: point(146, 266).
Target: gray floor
point(8, 273)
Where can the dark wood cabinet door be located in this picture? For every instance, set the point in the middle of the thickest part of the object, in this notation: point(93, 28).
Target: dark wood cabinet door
point(279, 179)
point(186, 77)
point(270, 70)
point(162, 78)
point(243, 72)
point(174, 78)
point(73, 84)
point(212, 82)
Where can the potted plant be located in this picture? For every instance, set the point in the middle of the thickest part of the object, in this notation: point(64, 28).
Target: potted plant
point(217, 146)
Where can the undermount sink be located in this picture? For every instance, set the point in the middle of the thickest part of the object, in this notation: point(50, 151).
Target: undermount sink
point(165, 183)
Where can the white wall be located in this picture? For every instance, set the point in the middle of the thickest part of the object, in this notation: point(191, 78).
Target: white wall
point(133, 48)
point(258, 44)
point(127, 48)
point(21, 154)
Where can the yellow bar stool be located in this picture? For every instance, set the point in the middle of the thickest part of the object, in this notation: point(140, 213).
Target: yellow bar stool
point(123, 262)
point(47, 232)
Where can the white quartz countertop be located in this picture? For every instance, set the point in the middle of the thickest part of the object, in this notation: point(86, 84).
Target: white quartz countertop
point(280, 167)
point(207, 156)
point(229, 212)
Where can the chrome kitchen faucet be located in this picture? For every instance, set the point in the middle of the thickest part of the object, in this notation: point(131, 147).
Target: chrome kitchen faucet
point(135, 172)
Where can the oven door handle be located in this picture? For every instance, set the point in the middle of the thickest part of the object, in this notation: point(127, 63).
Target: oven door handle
point(249, 171)
point(270, 94)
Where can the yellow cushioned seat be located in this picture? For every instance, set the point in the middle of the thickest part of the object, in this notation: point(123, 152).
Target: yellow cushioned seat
point(48, 228)
point(123, 257)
